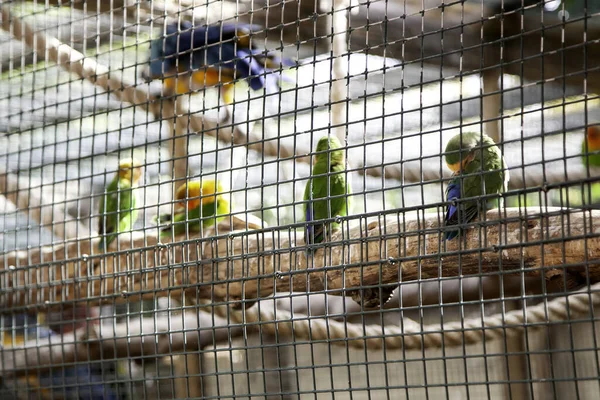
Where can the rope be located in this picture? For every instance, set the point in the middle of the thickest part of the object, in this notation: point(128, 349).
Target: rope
point(410, 335)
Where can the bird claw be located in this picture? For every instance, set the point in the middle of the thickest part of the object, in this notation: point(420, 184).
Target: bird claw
point(239, 304)
point(369, 298)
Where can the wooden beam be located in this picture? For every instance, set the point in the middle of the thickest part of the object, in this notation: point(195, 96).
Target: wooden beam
point(249, 265)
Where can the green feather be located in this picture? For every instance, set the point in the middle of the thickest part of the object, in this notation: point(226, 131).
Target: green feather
point(117, 210)
point(485, 174)
point(326, 186)
point(193, 218)
point(589, 156)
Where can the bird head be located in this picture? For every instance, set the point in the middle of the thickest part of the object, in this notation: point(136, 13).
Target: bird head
point(593, 138)
point(194, 190)
point(329, 143)
point(460, 150)
point(130, 169)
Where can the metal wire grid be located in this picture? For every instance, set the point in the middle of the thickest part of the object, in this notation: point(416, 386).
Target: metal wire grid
point(58, 151)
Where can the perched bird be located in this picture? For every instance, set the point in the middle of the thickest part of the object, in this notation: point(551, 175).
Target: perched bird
point(201, 201)
point(590, 157)
point(117, 208)
point(328, 180)
point(479, 169)
point(326, 196)
point(189, 58)
point(590, 147)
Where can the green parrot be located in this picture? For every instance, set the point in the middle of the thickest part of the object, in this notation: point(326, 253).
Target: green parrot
point(590, 148)
point(332, 183)
point(472, 156)
point(117, 208)
point(201, 201)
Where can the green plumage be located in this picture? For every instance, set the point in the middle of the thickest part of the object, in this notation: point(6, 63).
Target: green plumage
point(332, 182)
point(193, 218)
point(117, 210)
point(589, 155)
point(484, 173)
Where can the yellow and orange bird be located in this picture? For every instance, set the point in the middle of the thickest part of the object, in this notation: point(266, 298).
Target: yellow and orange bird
point(189, 57)
point(199, 204)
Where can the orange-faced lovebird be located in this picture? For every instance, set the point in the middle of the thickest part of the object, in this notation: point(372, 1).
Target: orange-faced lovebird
point(192, 57)
point(590, 148)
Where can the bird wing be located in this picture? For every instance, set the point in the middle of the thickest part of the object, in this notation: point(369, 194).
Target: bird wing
point(225, 46)
point(458, 213)
point(120, 211)
point(129, 213)
point(181, 221)
point(108, 207)
point(208, 214)
point(338, 189)
point(240, 56)
point(322, 207)
point(308, 210)
point(452, 193)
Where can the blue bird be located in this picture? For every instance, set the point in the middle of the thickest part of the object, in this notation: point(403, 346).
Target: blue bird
point(189, 58)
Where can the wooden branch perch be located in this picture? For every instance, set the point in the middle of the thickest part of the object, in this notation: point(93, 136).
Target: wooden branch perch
point(254, 264)
point(402, 248)
point(75, 270)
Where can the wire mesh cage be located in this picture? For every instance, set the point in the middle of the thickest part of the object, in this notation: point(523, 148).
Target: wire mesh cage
point(292, 199)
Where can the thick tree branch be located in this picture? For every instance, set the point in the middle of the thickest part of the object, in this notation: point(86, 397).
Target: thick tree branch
point(140, 267)
point(388, 249)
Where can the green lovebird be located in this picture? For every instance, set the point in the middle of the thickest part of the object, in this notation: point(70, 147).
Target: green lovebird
point(479, 169)
point(331, 183)
point(117, 208)
point(590, 148)
point(201, 201)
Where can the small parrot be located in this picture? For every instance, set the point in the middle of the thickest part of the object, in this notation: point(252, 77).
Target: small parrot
point(472, 156)
point(117, 208)
point(332, 182)
point(590, 148)
point(330, 164)
point(201, 200)
point(189, 58)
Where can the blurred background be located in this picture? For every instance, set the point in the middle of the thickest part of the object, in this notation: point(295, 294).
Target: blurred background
point(405, 77)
